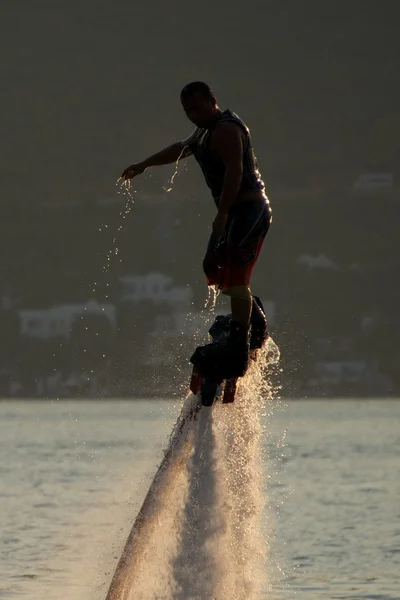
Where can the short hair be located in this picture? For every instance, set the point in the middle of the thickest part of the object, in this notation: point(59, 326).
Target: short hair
point(196, 87)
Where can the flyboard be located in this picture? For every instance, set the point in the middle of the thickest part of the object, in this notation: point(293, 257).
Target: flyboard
point(206, 380)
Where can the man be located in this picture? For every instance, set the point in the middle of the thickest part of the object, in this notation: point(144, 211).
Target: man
point(221, 144)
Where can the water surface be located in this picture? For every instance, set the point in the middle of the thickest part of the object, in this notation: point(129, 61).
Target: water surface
point(73, 475)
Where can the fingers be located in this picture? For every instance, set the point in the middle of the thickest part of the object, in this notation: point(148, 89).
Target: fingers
point(132, 171)
point(128, 173)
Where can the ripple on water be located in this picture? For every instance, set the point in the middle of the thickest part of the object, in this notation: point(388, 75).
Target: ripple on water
point(71, 488)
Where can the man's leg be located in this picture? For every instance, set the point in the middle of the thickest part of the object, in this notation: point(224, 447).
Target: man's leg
point(245, 237)
point(248, 313)
point(228, 264)
point(237, 342)
point(241, 304)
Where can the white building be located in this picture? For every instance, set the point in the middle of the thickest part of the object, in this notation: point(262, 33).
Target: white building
point(156, 288)
point(58, 320)
point(373, 181)
point(334, 372)
point(319, 261)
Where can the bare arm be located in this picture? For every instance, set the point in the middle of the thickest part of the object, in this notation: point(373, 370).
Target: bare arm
point(170, 154)
point(228, 142)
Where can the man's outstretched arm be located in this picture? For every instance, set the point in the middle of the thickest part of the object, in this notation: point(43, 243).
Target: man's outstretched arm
point(170, 154)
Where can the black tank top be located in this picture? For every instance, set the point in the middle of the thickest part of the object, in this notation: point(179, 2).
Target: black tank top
point(212, 166)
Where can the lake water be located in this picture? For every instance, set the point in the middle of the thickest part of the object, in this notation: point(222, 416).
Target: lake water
point(73, 475)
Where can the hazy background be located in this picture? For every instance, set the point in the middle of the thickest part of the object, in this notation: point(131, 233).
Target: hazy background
point(88, 88)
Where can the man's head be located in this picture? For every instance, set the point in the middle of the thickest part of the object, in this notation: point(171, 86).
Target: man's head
point(199, 103)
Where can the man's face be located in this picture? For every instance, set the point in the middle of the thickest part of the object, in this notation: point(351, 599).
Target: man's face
point(198, 109)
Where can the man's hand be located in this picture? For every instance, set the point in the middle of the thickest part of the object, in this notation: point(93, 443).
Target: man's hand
point(219, 224)
point(133, 170)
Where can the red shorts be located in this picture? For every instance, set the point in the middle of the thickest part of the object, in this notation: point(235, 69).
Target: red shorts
point(230, 260)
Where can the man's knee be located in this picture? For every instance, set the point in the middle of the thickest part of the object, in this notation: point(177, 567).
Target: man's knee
point(242, 292)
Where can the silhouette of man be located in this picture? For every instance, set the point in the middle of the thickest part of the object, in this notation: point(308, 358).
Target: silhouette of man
point(221, 144)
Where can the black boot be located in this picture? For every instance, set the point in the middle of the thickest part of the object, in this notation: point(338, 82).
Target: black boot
point(258, 325)
point(227, 357)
